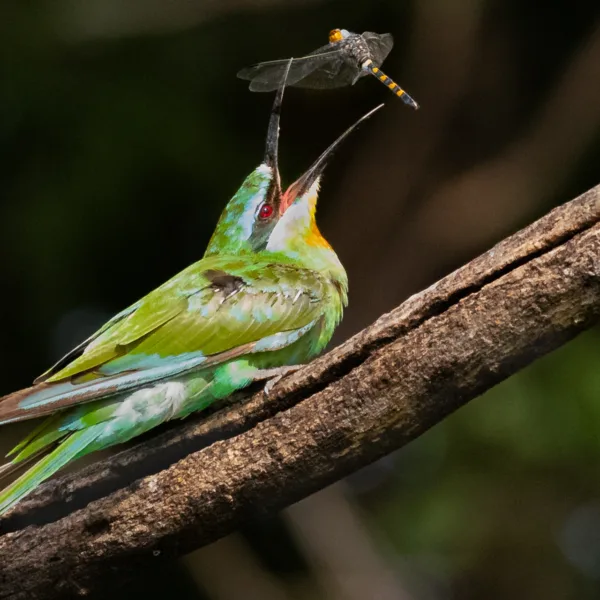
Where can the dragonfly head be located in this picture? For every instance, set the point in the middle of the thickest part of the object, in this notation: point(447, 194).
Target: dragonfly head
point(337, 35)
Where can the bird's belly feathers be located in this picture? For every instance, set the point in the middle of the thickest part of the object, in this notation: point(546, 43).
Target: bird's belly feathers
point(127, 416)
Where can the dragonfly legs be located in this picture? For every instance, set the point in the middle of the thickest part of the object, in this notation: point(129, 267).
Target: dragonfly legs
point(274, 376)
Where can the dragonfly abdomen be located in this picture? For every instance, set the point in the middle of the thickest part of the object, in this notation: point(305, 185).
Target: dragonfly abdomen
point(370, 67)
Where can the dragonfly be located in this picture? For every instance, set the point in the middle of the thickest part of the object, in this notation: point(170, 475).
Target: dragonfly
point(343, 61)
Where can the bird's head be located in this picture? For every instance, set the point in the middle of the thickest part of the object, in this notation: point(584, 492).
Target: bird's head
point(263, 217)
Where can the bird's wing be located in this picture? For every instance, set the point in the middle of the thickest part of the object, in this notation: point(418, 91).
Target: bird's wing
point(217, 309)
point(79, 349)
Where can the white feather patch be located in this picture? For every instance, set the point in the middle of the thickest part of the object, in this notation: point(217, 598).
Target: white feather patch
point(295, 220)
point(161, 401)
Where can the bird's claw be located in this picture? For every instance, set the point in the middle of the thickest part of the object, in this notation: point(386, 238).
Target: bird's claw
point(270, 384)
point(276, 375)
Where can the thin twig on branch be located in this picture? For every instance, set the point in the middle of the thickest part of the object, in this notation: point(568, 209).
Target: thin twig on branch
point(528, 295)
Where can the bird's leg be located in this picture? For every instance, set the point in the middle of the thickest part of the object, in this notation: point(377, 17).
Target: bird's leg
point(274, 376)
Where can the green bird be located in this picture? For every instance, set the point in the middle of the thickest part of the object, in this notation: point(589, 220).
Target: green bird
point(266, 297)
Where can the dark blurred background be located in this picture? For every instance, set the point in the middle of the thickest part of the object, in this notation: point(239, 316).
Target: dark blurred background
point(124, 131)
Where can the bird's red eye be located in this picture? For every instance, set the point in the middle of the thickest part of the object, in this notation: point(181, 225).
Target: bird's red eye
point(266, 210)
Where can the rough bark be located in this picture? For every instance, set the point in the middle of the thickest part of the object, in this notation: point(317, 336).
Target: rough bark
point(528, 295)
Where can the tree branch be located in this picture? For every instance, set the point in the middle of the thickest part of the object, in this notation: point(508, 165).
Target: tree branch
point(528, 295)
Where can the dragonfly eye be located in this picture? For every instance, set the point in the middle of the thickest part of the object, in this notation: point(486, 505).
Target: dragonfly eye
point(266, 211)
point(335, 35)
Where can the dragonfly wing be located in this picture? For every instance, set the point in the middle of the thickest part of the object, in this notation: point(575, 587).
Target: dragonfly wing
point(267, 76)
point(331, 76)
point(380, 45)
point(336, 72)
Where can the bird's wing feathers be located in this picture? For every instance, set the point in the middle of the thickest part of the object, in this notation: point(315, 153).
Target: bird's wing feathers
point(217, 309)
point(78, 350)
point(211, 307)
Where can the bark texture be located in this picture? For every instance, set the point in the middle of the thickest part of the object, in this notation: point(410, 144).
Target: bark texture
point(385, 386)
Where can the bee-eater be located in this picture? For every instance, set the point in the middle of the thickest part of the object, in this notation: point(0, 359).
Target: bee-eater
point(267, 294)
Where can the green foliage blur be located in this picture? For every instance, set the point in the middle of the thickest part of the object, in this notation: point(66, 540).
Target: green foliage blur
point(124, 131)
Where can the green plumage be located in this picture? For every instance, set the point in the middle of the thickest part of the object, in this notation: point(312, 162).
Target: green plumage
point(268, 293)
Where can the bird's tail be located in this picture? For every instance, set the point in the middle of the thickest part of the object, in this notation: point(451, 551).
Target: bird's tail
point(71, 447)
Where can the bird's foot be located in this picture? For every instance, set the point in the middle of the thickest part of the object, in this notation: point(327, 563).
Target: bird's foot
point(274, 376)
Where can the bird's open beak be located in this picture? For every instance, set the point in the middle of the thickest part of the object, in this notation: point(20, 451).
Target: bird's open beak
point(272, 147)
point(300, 187)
